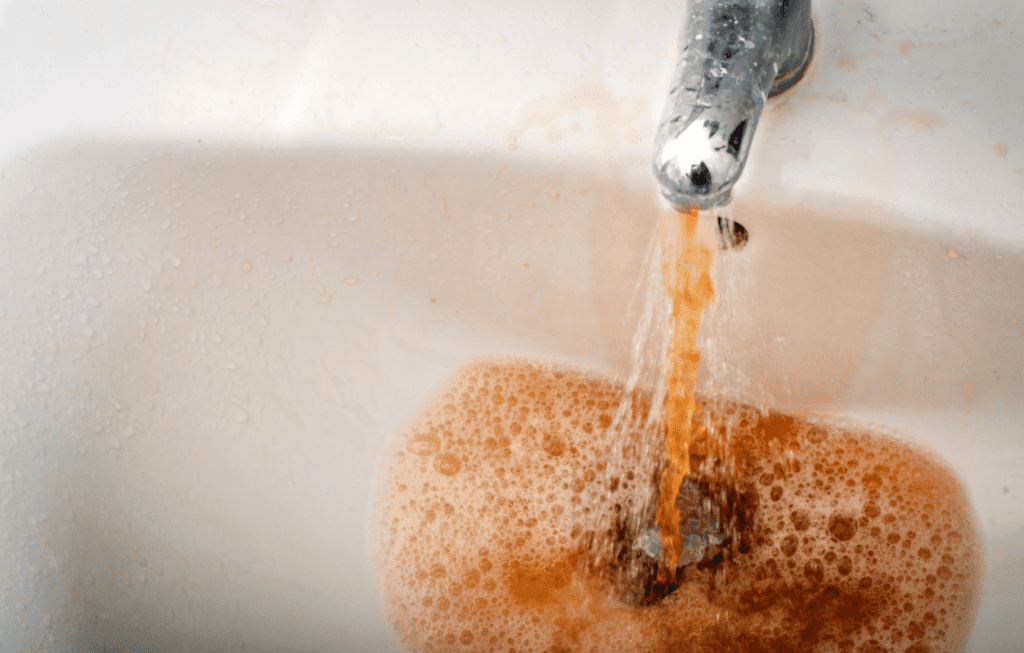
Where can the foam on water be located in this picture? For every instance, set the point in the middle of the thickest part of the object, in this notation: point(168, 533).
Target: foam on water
point(492, 503)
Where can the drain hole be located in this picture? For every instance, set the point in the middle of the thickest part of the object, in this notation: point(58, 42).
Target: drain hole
point(731, 234)
point(716, 518)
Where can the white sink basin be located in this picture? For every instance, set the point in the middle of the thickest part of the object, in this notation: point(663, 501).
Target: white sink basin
point(214, 317)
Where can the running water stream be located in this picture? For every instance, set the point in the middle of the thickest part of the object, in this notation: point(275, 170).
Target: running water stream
point(687, 277)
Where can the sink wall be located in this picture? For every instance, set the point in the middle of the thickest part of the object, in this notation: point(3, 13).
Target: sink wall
point(243, 242)
point(915, 109)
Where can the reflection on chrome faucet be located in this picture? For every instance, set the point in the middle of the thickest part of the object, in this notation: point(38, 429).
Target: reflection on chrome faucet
point(733, 55)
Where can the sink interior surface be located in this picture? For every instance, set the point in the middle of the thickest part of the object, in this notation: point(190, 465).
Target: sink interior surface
point(206, 345)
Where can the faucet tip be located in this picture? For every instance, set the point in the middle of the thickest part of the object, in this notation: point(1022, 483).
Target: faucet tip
point(698, 165)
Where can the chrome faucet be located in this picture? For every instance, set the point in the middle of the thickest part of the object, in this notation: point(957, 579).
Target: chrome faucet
point(733, 55)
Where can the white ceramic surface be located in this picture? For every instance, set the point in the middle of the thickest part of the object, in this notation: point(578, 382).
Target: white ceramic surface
point(242, 242)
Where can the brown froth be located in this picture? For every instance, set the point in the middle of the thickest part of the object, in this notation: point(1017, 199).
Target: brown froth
point(856, 541)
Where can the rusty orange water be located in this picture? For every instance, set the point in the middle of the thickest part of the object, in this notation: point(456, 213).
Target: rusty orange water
point(687, 275)
point(859, 542)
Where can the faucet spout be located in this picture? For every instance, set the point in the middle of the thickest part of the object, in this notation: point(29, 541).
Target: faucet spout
point(733, 54)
